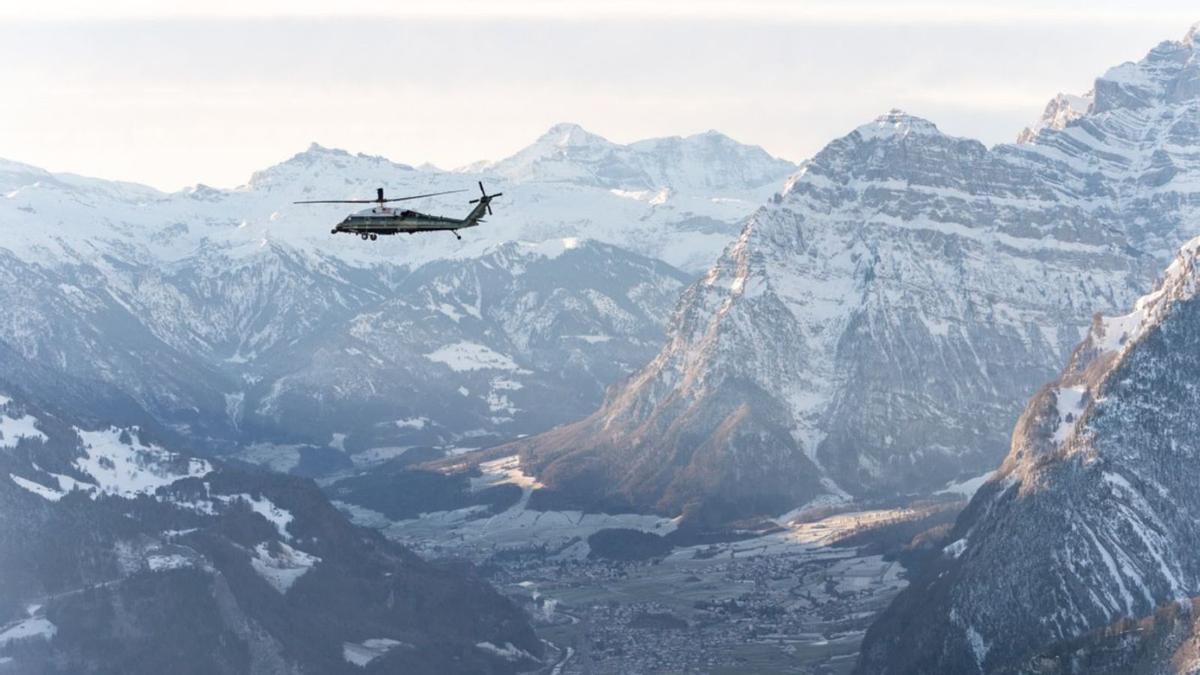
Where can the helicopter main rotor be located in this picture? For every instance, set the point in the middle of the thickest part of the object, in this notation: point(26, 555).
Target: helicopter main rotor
point(379, 198)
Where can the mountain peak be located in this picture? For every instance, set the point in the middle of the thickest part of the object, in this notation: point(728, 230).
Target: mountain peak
point(1169, 73)
point(1058, 113)
point(318, 160)
point(568, 153)
point(712, 135)
point(1193, 34)
point(1180, 283)
point(316, 148)
point(569, 134)
point(897, 123)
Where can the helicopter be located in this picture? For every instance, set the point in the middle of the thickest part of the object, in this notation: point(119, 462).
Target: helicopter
point(381, 219)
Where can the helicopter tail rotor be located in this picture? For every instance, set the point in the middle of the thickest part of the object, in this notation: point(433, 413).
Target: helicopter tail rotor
point(485, 198)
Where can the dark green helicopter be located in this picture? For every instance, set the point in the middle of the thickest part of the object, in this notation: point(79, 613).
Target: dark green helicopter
point(380, 219)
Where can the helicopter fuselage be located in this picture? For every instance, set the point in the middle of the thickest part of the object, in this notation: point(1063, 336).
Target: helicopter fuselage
point(370, 223)
point(385, 220)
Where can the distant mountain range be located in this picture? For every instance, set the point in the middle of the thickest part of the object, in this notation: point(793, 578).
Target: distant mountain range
point(231, 323)
point(235, 319)
point(659, 167)
point(876, 328)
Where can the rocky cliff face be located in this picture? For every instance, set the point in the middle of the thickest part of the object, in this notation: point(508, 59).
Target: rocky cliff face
point(1093, 515)
point(877, 327)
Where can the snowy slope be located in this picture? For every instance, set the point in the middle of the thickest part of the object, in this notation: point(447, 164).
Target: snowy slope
point(123, 556)
point(1093, 515)
point(513, 342)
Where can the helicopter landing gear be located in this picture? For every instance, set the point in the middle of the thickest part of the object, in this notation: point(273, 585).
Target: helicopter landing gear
point(365, 236)
point(374, 237)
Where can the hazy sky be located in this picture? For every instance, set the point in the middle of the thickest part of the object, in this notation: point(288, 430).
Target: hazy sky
point(212, 91)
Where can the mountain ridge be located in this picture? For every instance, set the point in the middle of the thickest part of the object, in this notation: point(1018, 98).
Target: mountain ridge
point(882, 320)
point(569, 153)
point(1102, 462)
point(124, 556)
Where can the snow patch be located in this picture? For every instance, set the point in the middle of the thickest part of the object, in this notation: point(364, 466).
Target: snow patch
point(553, 248)
point(264, 507)
point(467, 356)
point(509, 652)
point(233, 406)
point(362, 653)
point(1070, 404)
point(127, 469)
point(1118, 329)
point(373, 456)
point(13, 429)
point(956, 548)
point(651, 197)
point(966, 488)
point(158, 562)
point(504, 470)
point(38, 489)
point(283, 568)
point(28, 629)
point(978, 646)
point(590, 339)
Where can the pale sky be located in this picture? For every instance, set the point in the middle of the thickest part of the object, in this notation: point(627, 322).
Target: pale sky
point(211, 91)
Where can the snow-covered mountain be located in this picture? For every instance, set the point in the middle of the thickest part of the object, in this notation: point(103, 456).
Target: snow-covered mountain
point(660, 167)
point(233, 315)
point(122, 556)
point(463, 351)
point(876, 328)
point(1092, 517)
point(700, 188)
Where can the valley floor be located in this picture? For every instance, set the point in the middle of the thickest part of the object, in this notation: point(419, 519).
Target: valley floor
point(787, 601)
point(753, 607)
